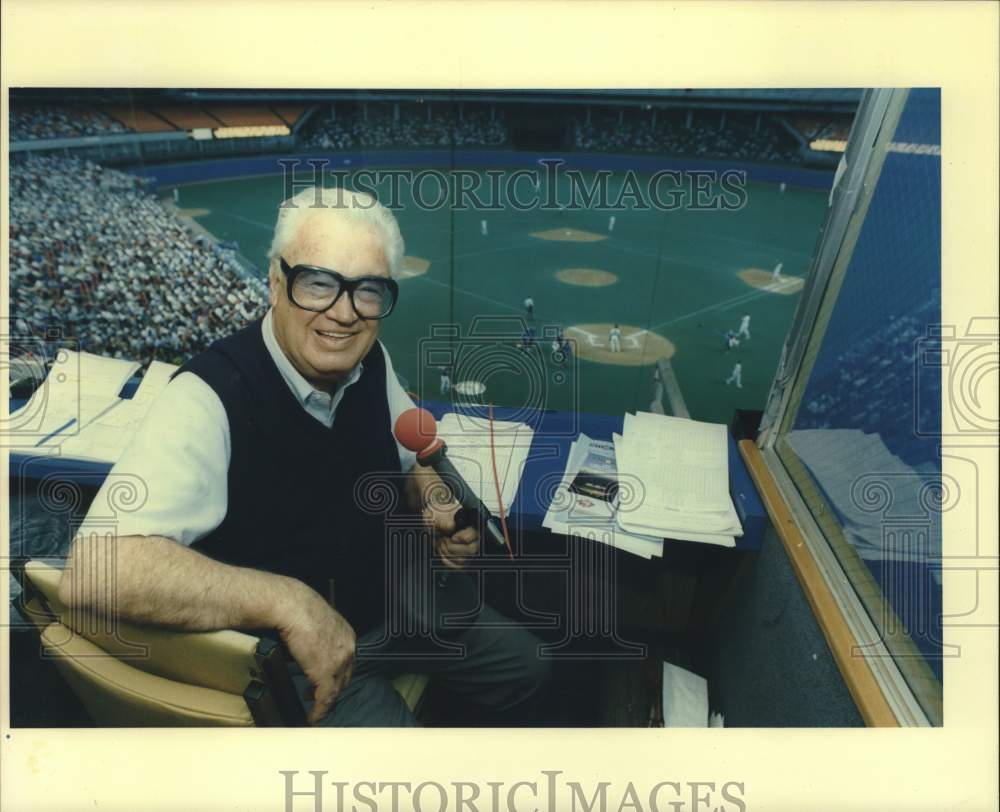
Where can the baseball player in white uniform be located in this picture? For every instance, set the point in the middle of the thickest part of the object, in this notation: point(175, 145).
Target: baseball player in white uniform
point(736, 376)
point(744, 331)
point(614, 339)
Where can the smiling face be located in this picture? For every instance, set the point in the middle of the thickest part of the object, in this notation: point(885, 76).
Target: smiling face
point(325, 347)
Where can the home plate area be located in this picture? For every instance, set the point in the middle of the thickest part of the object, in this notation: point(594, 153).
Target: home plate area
point(639, 347)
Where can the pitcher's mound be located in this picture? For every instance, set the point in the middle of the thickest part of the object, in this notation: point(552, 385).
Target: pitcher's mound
point(413, 266)
point(586, 277)
point(639, 347)
point(568, 235)
point(764, 280)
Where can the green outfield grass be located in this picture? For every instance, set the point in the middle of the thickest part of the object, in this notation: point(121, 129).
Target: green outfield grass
point(677, 277)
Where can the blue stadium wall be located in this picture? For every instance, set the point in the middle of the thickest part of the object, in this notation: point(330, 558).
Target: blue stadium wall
point(200, 171)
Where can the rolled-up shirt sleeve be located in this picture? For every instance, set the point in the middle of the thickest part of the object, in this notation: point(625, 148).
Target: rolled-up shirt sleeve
point(172, 478)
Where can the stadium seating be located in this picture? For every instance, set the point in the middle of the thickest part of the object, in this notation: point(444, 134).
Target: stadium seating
point(30, 122)
point(99, 261)
point(289, 113)
point(813, 128)
point(187, 117)
point(378, 128)
point(244, 115)
point(142, 121)
point(737, 139)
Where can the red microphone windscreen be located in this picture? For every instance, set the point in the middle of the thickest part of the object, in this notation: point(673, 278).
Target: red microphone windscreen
point(416, 429)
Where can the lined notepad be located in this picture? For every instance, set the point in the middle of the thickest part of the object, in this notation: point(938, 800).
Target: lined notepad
point(469, 449)
point(683, 468)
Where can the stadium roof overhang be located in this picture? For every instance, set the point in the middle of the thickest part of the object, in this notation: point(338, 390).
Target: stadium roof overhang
point(765, 99)
point(827, 100)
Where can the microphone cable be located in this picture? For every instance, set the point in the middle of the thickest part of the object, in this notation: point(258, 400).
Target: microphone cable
point(496, 485)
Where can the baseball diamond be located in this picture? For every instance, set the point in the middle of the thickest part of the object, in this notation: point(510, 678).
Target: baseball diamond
point(660, 274)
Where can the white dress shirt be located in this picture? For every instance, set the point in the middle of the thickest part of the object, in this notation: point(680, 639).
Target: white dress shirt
point(178, 459)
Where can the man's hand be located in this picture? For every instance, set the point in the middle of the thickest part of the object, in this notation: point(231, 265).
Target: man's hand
point(426, 492)
point(322, 643)
point(453, 548)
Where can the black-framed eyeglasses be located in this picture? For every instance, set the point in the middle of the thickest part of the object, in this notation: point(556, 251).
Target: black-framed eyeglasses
point(318, 289)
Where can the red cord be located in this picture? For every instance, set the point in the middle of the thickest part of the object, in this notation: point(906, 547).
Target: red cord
point(496, 484)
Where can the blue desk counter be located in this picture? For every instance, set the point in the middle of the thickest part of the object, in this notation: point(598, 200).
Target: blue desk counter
point(549, 455)
point(554, 433)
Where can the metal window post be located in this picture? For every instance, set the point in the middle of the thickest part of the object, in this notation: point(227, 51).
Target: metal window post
point(853, 187)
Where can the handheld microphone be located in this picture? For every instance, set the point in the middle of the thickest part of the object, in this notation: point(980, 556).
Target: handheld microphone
point(416, 430)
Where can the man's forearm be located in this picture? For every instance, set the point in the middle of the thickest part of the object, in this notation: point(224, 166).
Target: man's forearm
point(150, 579)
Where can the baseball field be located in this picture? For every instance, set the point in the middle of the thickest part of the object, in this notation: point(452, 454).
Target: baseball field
point(673, 281)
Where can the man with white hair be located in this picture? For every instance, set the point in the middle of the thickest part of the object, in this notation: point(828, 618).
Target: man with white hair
point(250, 461)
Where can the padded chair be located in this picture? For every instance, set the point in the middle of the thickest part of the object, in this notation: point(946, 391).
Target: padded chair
point(131, 675)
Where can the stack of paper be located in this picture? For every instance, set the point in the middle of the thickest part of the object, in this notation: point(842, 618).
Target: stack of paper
point(685, 699)
point(78, 388)
point(585, 503)
point(105, 437)
point(469, 444)
point(680, 471)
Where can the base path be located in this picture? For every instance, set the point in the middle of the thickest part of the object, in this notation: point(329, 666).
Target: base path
point(639, 347)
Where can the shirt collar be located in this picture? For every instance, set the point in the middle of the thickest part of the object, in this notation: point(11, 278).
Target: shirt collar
point(300, 387)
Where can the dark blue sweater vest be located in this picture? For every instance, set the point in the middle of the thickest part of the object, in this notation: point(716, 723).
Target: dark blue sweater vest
point(292, 507)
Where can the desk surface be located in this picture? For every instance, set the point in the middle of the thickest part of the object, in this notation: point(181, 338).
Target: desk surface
point(549, 455)
point(554, 433)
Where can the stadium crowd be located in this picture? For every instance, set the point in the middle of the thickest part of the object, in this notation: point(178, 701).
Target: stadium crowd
point(823, 128)
point(868, 381)
point(380, 127)
point(96, 258)
point(29, 122)
point(737, 139)
point(374, 125)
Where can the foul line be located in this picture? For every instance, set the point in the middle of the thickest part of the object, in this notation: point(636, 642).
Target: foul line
point(752, 244)
point(723, 305)
point(426, 278)
point(510, 247)
point(265, 226)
